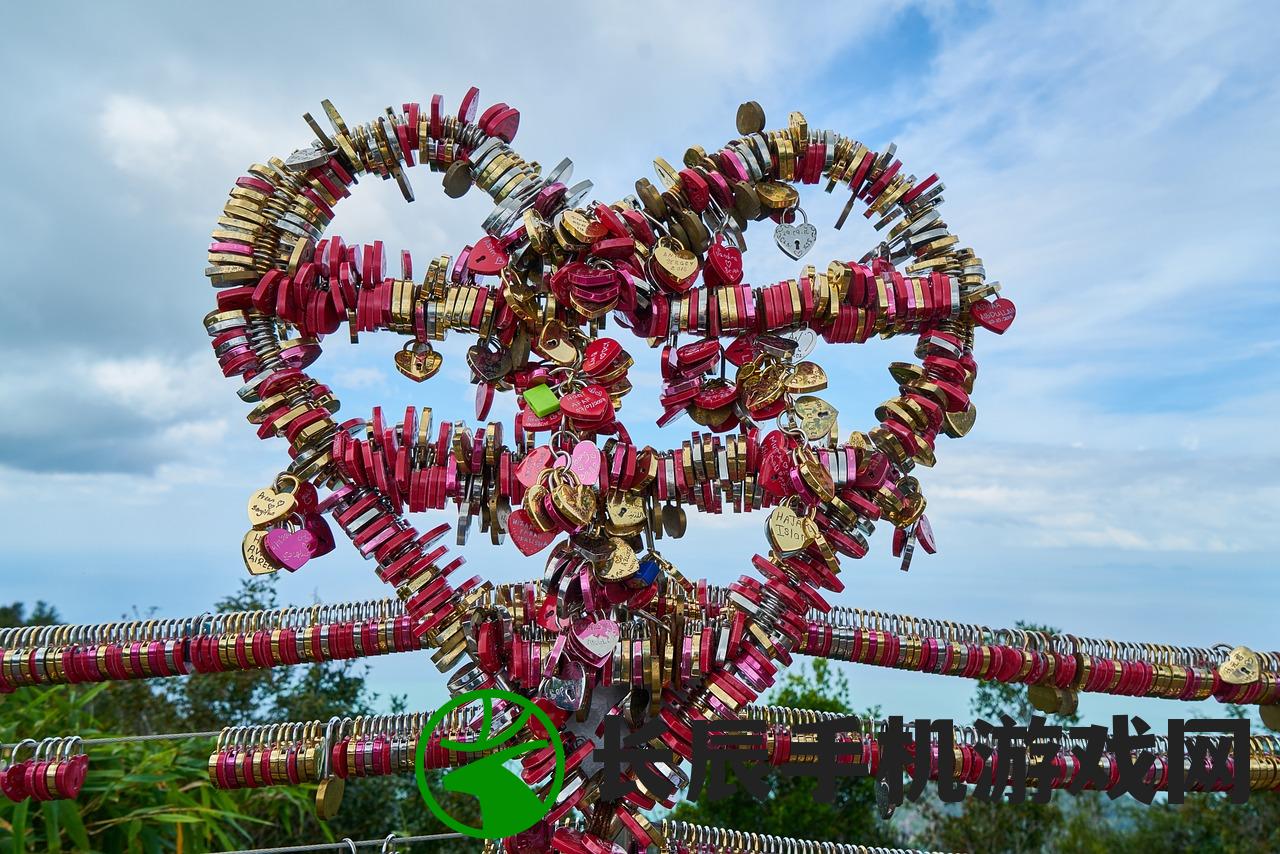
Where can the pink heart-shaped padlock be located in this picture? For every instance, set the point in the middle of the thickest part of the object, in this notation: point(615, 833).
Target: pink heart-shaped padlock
point(290, 549)
point(596, 640)
point(585, 463)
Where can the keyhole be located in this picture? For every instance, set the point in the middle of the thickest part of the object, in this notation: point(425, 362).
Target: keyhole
point(797, 245)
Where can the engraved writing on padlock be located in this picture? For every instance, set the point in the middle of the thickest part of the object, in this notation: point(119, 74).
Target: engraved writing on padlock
point(787, 531)
point(255, 558)
point(796, 240)
point(1241, 667)
point(273, 503)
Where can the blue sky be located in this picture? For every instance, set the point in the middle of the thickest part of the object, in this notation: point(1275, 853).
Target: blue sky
point(1109, 162)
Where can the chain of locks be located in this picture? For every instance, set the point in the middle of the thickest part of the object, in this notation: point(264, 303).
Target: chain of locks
point(537, 292)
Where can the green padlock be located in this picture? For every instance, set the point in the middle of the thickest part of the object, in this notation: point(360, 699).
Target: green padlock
point(542, 400)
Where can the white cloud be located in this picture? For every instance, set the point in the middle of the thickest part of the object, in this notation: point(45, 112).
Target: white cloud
point(1109, 161)
point(361, 377)
point(997, 497)
point(158, 388)
point(195, 433)
point(172, 144)
point(141, 136)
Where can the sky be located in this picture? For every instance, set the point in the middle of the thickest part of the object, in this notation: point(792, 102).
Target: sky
point(1108, 161)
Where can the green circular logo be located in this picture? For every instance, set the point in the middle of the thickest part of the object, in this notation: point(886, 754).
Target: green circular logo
point(507, 804)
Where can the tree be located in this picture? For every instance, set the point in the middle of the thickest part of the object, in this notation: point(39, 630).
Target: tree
point(156, 796)
point(998, 825)
point(792, 809)
point(1091, 822)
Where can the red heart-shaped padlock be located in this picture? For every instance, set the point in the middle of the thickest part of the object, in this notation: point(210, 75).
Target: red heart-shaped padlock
point(529, 469)
point(600, 354)
point(996, 316)
point(725, 262)
point(590, 404)
point(487, 257)
point(528, 537)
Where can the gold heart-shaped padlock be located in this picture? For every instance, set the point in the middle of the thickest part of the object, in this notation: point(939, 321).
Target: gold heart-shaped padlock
point(787, 531)
point(817, 417)
point(418, 361)
point(255, 557)
point(268, 506)
point(577, 503)
point(622, 563)
point(625, 512)
point(1241, 667)
point(806, 377)
point(958, 424)
point(676, 261)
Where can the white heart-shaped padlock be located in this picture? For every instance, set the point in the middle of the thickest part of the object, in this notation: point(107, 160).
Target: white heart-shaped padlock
point(796, 240)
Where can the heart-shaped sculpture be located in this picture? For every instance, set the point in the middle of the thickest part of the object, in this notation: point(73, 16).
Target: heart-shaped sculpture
point(996, 315)
point(536, 289)
point(289, 549)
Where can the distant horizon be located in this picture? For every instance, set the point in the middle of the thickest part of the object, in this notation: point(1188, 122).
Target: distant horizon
point(1108, 162)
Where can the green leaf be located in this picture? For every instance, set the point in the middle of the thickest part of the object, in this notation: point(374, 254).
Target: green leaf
point(20, 826)
point(52, 830)
point(74, 824)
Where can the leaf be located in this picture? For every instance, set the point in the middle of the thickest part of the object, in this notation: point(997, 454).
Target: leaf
point(52, 829)
point(74, 825)
point(20, 827)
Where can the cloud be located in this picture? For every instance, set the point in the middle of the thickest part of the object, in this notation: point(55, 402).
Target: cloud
point(153, 387)
point(85, 414)
point(1009, 496)
point(171, 144)
point(1109, 162)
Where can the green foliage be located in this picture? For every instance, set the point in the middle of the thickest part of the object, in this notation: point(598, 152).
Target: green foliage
point(156, 796)
point(135, 798)
point(1092, 822)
